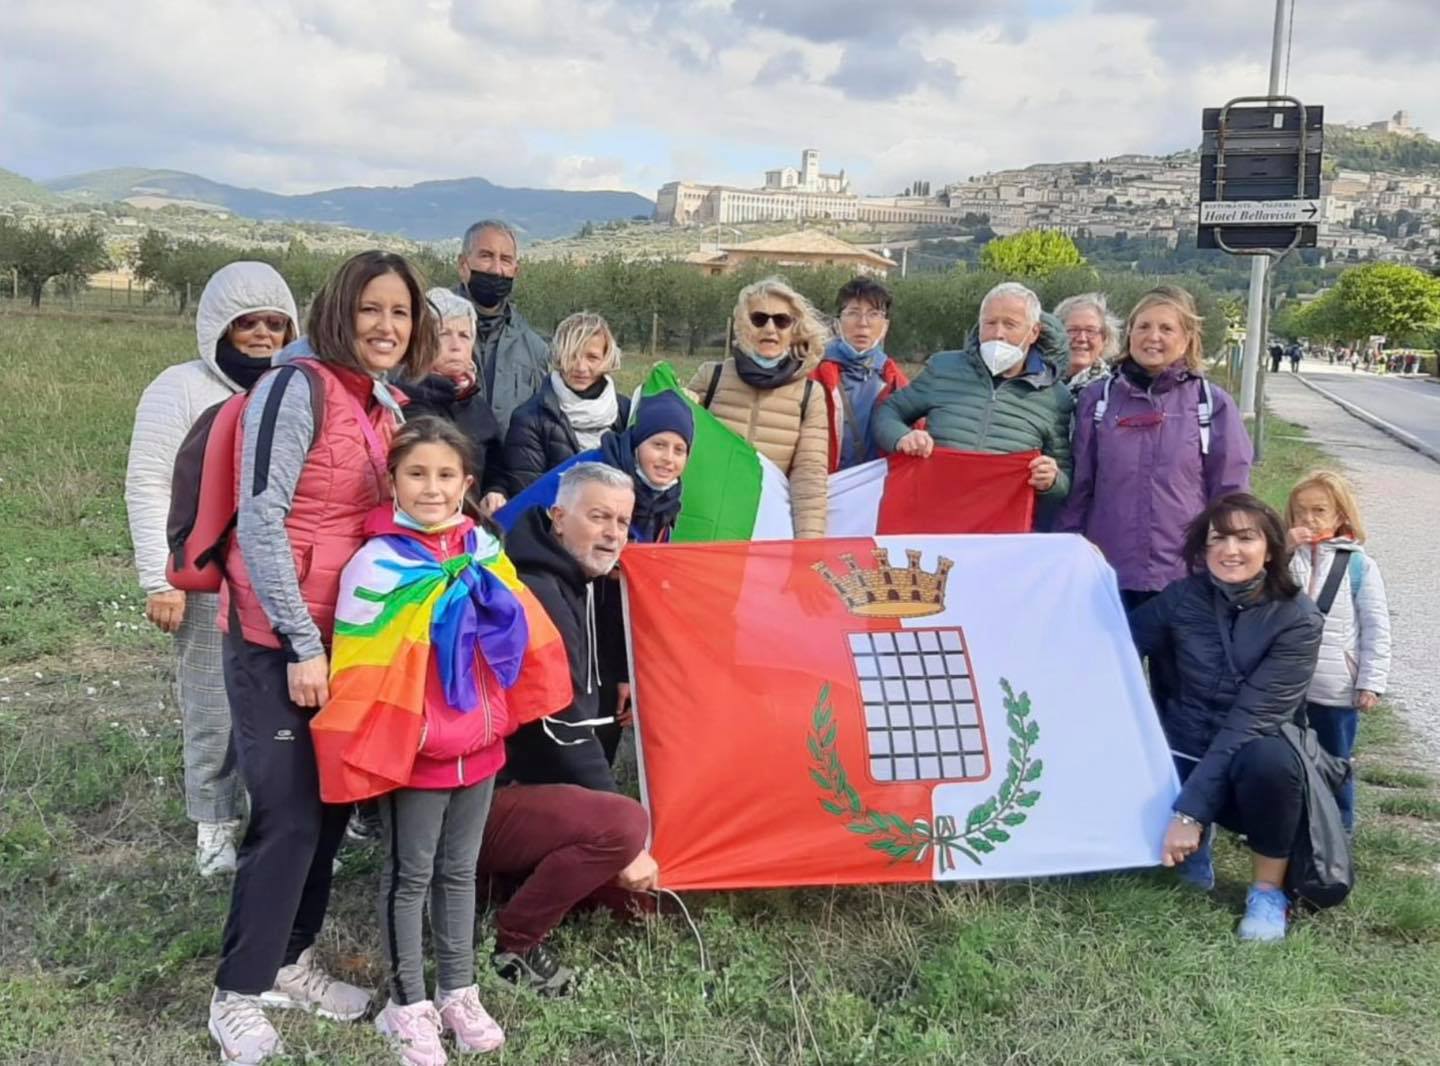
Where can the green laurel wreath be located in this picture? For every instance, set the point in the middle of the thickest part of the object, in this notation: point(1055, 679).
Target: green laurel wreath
point(987, 825)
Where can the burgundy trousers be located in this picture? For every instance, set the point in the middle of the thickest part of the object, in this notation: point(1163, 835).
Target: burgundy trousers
point(564, 845)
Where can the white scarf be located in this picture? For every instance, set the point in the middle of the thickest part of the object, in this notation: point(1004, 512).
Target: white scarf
point(588, 418)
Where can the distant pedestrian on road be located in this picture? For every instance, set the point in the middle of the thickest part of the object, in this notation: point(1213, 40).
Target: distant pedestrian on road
point(1326, 532)
point(511, 359)
point(1277, 354)
point(245, 316)
point(1154, 444)
point(1244, 642)
point(1295, 353)
point(1094, 335)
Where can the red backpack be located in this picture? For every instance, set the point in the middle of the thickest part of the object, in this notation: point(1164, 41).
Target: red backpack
point(204, 490)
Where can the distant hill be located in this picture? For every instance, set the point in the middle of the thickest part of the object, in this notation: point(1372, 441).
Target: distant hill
point(13, 187)
point(431, 210)
point(1373, 150)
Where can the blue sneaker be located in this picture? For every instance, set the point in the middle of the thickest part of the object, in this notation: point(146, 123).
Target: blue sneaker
point(1198, 869)
point(1265, 913)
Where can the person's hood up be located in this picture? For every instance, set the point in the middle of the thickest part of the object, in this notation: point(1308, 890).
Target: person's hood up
point(432, 390)
point(532, 546)
point(1052, 346)
point(239, 289)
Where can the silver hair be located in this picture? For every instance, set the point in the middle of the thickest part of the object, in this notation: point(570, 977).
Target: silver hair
point(1110, 323)
point(1014, 288)
point(480, 227)
point(450, 305)
point(574, 480)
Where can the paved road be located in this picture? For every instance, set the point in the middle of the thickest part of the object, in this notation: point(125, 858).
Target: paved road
point(1409, 402)
point(1399, 493)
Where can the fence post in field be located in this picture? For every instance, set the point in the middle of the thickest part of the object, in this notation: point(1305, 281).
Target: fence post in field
point(654, 333)
point(14, 285)
point(729, 326)
point(129, 284)
point(187, 295)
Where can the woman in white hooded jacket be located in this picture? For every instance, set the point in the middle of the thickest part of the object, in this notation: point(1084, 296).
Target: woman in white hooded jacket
point(1354, 665)
point(245, 316)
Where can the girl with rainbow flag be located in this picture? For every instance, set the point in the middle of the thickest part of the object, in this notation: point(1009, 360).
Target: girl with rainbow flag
point(440, 653)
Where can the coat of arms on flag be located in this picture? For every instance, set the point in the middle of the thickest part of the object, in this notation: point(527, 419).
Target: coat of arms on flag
point(814, 712)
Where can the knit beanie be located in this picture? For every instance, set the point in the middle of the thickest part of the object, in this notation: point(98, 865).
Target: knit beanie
point(664, 412)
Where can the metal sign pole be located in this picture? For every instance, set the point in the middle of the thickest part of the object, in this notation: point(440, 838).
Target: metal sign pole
point(1257, 316)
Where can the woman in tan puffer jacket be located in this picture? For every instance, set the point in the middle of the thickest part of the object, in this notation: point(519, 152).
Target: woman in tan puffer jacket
point(763, 392)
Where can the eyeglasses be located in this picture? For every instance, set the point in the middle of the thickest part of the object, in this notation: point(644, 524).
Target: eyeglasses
point(853, 314)
point(273, 323)
point(1084, 331)
point(758, 319)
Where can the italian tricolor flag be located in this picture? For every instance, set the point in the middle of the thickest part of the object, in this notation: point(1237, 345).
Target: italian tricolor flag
point(732, 492)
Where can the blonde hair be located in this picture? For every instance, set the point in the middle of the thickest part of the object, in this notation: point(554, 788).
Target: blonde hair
point(1341, 495)
point(808, 336)
point(571, 336)
point(1183, 304)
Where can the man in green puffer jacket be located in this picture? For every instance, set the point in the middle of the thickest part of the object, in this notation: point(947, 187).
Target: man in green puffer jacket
point(1003, 393)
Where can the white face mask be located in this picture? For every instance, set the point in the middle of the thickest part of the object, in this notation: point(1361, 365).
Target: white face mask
point(1000, 356)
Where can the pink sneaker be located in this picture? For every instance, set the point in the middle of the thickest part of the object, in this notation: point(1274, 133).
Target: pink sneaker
point(462, 1014)
point(414, 1032)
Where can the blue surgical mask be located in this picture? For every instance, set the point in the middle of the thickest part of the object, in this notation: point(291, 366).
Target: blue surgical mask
point(406, 521)
point(768, 362)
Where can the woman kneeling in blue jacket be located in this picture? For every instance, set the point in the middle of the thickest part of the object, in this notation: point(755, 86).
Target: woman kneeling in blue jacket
point(1244, 642)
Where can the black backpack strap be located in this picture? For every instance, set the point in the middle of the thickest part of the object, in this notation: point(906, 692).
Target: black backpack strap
point(805, 397)
point(317, 398)
point(272, 411)
point(714, 384)
point(1338, 566)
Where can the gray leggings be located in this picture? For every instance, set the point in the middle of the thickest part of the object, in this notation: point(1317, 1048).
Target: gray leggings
point(213, 793)
point(432, 846)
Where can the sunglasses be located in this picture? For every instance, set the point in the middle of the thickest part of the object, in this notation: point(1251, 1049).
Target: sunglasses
point(273, 323)
point(758, 319)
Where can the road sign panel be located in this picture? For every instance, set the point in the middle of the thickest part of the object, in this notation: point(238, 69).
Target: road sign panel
point(1259, 212)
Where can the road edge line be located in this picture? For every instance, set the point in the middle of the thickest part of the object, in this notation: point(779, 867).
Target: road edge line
point(1388, 428)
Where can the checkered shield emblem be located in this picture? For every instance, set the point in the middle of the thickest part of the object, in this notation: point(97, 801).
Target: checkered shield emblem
point(922, 709)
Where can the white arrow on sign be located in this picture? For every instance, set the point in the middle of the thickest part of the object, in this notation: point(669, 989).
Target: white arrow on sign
point(1259, 212)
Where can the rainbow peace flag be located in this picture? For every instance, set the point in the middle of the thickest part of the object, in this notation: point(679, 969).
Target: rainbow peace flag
point(398, 607)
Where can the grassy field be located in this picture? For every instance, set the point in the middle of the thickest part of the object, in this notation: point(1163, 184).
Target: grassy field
point(108, 940)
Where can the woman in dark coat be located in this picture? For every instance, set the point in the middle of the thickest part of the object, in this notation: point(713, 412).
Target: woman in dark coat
point(451, 392)
point(1243, 642)
point(573, 408)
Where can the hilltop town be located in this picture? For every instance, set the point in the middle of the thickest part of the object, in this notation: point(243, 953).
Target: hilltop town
point(1384, 214)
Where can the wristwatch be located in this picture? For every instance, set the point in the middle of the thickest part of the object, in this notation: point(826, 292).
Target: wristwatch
point(1184, 819)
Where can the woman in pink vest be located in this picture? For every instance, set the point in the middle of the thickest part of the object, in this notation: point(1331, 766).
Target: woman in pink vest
point(311, 468)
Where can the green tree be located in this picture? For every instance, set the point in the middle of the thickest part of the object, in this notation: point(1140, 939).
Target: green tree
point(39, 252)
point(1034, 253)
point(182, 267)
point(1386, 299)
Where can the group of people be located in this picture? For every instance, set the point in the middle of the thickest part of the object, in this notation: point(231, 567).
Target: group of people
point(436, 436)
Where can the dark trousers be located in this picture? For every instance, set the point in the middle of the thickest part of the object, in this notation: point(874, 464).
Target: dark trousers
point(1265, 795)
point(564, 843)
point(282, 882)
point(1335, 728)
point(1160, 668)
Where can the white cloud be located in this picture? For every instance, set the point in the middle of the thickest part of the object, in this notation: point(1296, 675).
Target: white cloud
point(300, 94)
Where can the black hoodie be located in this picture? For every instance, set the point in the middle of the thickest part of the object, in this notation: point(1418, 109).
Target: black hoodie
point(438, 396)
point(535, 754)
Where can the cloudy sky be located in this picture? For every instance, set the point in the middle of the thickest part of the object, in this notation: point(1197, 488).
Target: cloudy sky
point(296, 95)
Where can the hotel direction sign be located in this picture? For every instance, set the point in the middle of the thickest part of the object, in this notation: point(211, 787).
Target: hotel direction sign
point(1259, 212)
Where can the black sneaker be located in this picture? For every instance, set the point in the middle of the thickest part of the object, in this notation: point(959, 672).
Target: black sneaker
point(537, 969)
point(364, 827)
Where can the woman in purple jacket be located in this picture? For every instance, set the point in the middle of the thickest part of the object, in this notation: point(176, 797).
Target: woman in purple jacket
point(1155, 443)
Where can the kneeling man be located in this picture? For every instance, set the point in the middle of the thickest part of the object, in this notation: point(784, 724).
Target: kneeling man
point(559, 824)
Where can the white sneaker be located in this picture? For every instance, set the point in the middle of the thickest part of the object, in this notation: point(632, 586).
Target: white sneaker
point(304, 986)
point(238, 1025)
point(215, 847)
